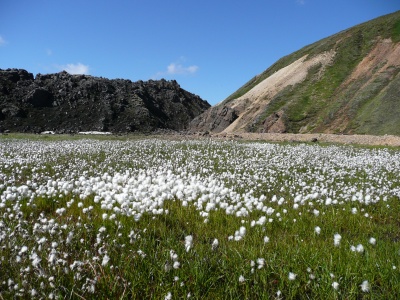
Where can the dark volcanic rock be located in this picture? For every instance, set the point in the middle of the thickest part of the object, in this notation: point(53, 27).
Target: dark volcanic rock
point(215, 119)
point(70, 103)
point(40, 98)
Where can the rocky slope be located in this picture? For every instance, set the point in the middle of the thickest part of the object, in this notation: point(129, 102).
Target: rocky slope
point(347, 83)
point(70, 103)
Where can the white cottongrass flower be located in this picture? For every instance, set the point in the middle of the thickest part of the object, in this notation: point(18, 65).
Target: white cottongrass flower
point(372, 241)
point(214, 244)
point(176, 264)
point(105, 261)
point(168, 296)
point(23, 250)
point(336, 239)
point(266, 239)
point(365, 287)
point(360, 248)
point(238, 238)
point(335, 285)
point(241, 279)
point(52, 256)
point(317, 229)
point(188, 242)
point(141, 253)
point(42, 240)
point(278, 294)
point(292, 276)
point(69, 237)
point(242, 231)
point(239, 234)
point(35, 259)
point(60, 211)
point(261, 263)
point(173, 255)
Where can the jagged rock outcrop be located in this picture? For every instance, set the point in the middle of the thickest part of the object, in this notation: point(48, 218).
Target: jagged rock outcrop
point(70, 103)
point(346, 83)
point(214, 119)
point(274, 123)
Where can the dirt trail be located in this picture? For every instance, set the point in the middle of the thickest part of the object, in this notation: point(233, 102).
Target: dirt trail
point(386, 140)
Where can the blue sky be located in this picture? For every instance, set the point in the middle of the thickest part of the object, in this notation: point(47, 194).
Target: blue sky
point(210, 47)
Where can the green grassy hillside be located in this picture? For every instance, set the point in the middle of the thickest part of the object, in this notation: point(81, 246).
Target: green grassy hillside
point(322, 100)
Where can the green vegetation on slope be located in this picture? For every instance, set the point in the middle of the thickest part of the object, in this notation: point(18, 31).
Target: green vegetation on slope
point(380, 114)
point(321, 98)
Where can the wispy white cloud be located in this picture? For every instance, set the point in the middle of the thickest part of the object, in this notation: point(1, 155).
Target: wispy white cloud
point(2, 41)
point(178, 68)
point(75, 68)
point(49, 52)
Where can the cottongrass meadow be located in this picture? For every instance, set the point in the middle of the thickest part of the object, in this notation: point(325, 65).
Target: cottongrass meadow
point(153, 218)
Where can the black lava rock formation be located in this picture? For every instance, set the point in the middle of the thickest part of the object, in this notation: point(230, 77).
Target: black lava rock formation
point(66, 103)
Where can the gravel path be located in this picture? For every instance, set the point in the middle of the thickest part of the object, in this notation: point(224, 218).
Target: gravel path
point(372, 140)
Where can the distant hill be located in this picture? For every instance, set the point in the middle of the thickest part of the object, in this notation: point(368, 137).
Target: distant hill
point(346, 83)
point(67, 103)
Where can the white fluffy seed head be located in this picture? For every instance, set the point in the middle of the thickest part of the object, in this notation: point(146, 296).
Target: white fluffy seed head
point(360, 248)
point(214, 244)
point(336, 239)
point(292, 276)
point(188, 242)
point(365, 287)
point(317, 230)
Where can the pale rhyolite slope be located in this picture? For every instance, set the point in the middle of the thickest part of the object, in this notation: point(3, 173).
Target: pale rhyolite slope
point(254, 101)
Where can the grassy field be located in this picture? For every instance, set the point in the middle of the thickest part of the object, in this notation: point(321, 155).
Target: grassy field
point(121, 218)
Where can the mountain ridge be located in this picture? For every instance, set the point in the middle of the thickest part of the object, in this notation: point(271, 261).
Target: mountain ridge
point(346, 83)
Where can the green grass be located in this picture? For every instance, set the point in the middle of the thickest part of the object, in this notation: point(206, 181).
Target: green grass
point(214, 274)
point(140, 249)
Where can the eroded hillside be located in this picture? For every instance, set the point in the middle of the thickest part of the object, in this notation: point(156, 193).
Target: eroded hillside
point(346, 83)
